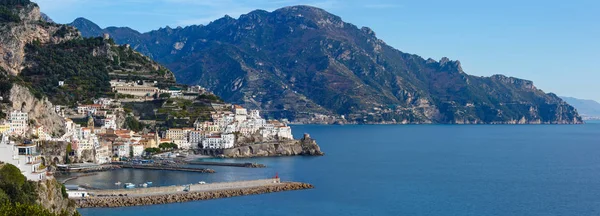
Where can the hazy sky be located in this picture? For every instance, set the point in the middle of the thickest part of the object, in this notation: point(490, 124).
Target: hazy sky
point(554, 43)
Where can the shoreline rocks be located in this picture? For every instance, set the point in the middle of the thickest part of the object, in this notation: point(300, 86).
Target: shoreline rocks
point(122, 201)
point(305, 146)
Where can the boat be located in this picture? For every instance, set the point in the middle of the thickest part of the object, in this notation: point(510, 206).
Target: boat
point(129, 185)
point(117, 183)
point(149, 183)
point(144, 185)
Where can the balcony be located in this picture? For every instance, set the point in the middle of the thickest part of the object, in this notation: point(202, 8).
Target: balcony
point(34, 162)
point(40, 171)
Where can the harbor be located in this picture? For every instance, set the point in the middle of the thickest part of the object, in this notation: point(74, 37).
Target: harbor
point(181, 193)
point(247, 165)
point(169, 168)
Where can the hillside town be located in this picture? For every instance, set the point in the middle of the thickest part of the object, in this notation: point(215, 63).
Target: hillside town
point(101, 139)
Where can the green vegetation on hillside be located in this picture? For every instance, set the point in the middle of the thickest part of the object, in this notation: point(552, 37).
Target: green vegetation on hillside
point(85, 75)
point(6, 12)
point(86, 65)
point(18, 196)
point(133, 124)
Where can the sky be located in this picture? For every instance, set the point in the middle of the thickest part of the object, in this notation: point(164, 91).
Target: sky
point(556, 44)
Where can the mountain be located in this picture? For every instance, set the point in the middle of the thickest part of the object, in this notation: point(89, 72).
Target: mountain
point(46, 18)
point(301, 61)
point(587, 108)
point(37, 55)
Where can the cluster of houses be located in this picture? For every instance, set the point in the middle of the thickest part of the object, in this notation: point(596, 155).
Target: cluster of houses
point(102, 140)
point(220, 133)
point(17, 124)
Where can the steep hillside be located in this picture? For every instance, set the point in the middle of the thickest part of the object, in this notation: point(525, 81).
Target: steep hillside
point(303, 60)
point(37, 54)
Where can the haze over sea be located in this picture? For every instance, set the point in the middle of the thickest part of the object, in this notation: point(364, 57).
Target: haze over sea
point(408, 170)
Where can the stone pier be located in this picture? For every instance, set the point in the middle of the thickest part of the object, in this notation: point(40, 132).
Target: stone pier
point(174, 194)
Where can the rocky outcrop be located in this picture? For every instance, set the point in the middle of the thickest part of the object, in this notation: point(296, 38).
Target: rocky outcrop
point(120, 201)
point(41, 111)
point(50, 196)
point(31, 27)
point(304, 146)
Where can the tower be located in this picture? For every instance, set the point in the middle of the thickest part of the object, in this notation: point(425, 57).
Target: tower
point(90, 123)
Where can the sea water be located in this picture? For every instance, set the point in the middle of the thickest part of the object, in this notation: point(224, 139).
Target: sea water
point(406, 170)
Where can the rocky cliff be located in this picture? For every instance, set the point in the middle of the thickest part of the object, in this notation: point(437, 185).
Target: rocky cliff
point(27, 28)
point(50, 197)
point(20, 196)
point(301, 60)
point(40, 111)
point(304, 146)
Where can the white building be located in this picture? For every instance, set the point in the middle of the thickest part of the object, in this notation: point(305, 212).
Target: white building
point(110, 122)
point(195, 138)
point(218, 141)
point(18, 122)
point(121, 149)
point(103, 154)
point(24, 157)
point(138, 150)
point(241, 113)
point(182, 144)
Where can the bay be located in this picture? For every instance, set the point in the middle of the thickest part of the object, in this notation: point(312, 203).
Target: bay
point(407, 170)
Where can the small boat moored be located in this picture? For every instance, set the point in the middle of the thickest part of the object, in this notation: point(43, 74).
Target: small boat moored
point(129, 185)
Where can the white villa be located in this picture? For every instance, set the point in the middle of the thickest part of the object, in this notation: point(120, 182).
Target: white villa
point(23, 156)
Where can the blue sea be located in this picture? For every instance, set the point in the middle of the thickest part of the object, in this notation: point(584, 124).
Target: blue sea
point(407, 170)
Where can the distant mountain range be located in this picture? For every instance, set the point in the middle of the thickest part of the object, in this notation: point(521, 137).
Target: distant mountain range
point(301, 61)
point(589, 109)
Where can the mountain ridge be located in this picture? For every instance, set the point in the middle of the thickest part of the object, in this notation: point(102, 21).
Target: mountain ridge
point(300, 61)
point(589, 109)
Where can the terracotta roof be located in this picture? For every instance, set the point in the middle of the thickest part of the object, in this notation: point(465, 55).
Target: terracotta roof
point(92, 105)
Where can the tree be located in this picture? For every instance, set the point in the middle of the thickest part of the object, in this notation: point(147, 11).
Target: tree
point(164, 95)
point(133, 124)
point(69, 150)
point(16, 186)
point(152, 150)
point(168, 146)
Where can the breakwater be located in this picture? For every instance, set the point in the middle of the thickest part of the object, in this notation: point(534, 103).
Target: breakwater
point(170, 168)
point(76, 177)
point(137, 200)
point(247, 165)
